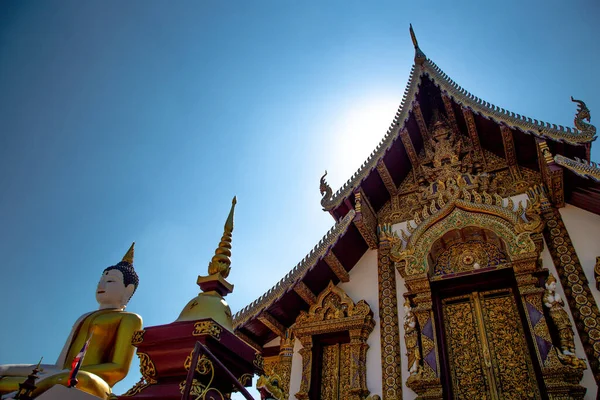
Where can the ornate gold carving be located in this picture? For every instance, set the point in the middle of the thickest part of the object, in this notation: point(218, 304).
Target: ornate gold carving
point(147, 368)
point(509, 151)
point(586, 130)
point(385, 176)
point(579, 296)
point(334, 312)
point(296, 274)
point(487, 349)
point(410, 150)
point(271, 322)
point(450, 113)
point(138, 337)
point(561, 322)
point(202, 328)
point(510, 358)
point(580, 167)
point(493, 162)
point(271, 385)
point(284, 366)
point(365, 220)
point(411, 338)
point(388, 317)
point(456, 208)
point(335, 374)
point(552, 176)
point(245, 379)
point(336, 267)
point(422, 128)
point(469, 256)
point(597, 273)
point(259, 361)
point(137, 388)
point(270, 364)
point(307, 295)
point(468, 376)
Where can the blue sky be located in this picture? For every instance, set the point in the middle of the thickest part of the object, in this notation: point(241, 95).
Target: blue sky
point(139, 120)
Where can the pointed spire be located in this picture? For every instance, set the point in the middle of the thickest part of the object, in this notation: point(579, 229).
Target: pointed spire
point(220, 262)
point(419, 55)
point(128, 257)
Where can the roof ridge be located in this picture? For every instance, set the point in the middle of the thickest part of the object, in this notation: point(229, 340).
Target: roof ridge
point(298, 272)
point(525, 124)
point(580, 167)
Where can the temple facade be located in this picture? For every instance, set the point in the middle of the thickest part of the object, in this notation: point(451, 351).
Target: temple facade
point(461, 264)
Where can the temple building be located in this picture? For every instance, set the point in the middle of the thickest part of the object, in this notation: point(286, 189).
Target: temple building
point(461, 264)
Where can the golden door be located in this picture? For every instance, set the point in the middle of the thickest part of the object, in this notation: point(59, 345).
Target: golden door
point(487, 351)
point(335, 372)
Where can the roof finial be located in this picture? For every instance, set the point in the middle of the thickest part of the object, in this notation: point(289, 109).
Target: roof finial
point(419, 55)
point(128, 257)
point(220, 262)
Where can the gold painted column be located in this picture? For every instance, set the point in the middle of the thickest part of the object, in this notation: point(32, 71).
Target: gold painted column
point(306, 354)
point(427, 383)
point(575, 285)
point(358, 370)
point(286, 352)
point(388, 318)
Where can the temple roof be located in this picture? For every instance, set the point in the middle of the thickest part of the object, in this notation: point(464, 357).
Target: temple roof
point(489, 135)
point(425, 69)
point(297, 273)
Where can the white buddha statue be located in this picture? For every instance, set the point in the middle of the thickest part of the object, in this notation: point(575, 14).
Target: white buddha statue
point(110, 351)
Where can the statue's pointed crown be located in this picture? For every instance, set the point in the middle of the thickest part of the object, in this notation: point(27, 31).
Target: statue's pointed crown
point(128, 257)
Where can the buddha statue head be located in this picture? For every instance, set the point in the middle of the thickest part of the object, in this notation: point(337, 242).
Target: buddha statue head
point(118, 283)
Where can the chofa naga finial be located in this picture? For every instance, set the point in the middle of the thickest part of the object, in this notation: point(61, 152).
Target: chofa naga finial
point(220, 262)
point(587, 130)
point(419, 55)
point(326, 191)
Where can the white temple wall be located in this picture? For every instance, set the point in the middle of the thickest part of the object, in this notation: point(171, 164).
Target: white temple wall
point(584, 230)
point(296, 374)
point(364, 285)
point(274, 342)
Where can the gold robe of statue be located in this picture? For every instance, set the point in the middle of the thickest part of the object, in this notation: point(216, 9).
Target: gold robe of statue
point(110, 330)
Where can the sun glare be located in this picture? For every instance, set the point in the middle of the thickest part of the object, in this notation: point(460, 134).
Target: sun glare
point(356, 134)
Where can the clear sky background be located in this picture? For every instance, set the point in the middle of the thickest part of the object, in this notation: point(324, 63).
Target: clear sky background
point(140, 120)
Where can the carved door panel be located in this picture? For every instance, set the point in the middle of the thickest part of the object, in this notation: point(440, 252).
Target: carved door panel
point(335, 372)
point(487, 351)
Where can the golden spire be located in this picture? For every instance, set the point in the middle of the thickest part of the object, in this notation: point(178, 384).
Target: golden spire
point(220, 262)
point(128, 257)
point(419, 55)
